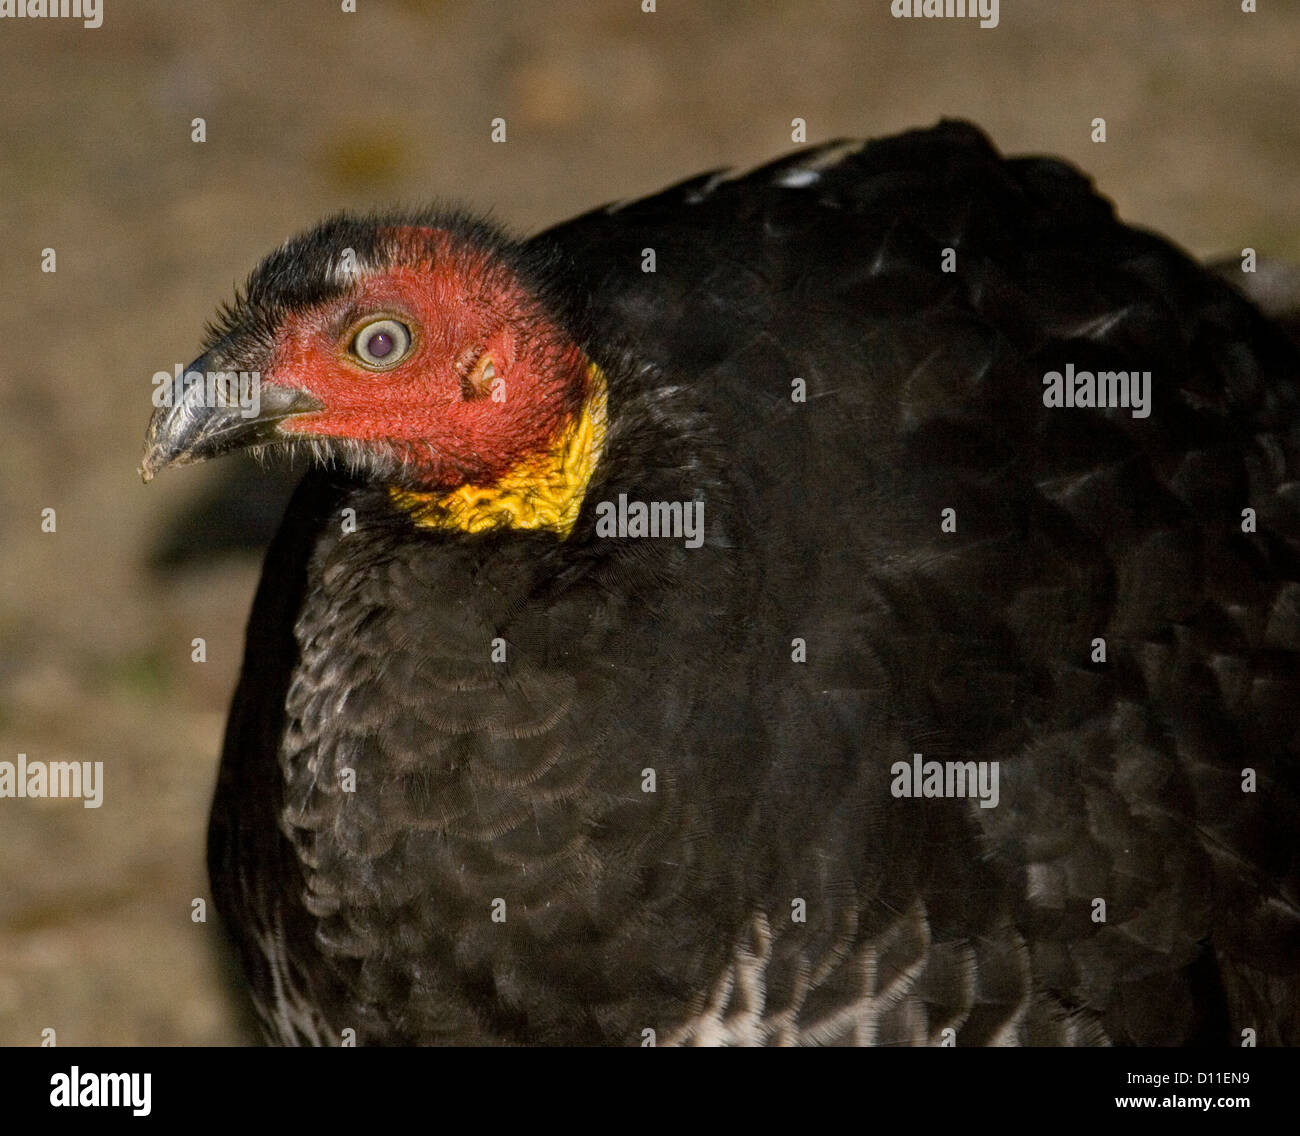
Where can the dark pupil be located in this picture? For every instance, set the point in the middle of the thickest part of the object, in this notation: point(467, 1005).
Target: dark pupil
point(379, 344)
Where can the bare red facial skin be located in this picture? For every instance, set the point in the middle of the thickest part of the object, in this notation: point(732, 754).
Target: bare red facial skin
point(458, 304)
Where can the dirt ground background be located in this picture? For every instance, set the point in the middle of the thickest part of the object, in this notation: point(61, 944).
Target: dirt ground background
point(309, 109)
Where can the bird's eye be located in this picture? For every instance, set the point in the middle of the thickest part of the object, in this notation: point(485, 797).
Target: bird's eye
point(382, 344)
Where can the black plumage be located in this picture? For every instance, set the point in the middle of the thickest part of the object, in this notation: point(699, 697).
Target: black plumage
point(677, 911)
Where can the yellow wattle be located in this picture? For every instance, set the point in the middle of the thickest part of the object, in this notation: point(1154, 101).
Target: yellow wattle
point(543, 492)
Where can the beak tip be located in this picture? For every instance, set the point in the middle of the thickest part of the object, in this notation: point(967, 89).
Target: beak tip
point(155, 459)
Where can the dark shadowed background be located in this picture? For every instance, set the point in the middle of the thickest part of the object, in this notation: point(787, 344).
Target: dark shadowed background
point(309, 109)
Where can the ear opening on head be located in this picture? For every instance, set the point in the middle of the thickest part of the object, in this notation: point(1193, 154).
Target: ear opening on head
point(476, 382)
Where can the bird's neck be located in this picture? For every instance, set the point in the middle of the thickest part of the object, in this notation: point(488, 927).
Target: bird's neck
point(544, 491)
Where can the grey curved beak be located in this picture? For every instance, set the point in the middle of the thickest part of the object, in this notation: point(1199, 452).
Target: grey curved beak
point(209, 412)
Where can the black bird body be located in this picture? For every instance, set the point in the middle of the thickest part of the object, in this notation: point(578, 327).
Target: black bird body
point(498, 872)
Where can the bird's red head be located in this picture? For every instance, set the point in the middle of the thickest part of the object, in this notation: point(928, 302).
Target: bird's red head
point(443, 359)
point(422, 354)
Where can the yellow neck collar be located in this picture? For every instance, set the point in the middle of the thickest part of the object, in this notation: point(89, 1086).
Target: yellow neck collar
point(544, 492)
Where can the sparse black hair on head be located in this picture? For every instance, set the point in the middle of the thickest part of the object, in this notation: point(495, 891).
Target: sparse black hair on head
point(307, 270)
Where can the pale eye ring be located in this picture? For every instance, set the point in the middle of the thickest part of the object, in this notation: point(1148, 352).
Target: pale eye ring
point(382, 343)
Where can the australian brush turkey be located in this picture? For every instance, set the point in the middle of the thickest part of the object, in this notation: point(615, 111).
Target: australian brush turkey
point(853, 602)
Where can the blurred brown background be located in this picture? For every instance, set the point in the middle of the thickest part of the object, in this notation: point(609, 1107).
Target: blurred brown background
point(309, 109)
